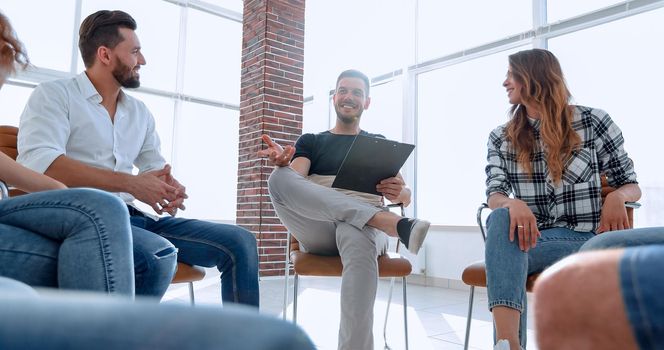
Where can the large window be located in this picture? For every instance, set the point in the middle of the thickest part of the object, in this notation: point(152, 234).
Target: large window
point(206, 153)
point(212, 64)
point(446, 27)
point(191, 82)
point(45, 27)
point(374, 36)
point(562, 9)
point(12, 99)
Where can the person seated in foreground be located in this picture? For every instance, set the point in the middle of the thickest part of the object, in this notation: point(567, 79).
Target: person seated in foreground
point(602, 299)
point(328, 221)
point(82, 321)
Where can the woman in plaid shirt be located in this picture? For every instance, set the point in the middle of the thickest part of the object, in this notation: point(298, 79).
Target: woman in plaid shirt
point(543, 184)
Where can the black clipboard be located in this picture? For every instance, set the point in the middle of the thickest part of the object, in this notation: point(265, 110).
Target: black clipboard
point(370, 160)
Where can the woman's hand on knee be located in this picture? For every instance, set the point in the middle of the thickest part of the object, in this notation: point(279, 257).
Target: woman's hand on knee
point(523, 223)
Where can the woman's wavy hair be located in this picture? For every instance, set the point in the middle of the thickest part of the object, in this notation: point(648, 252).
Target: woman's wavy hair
point(12, 52)
point(544, 87)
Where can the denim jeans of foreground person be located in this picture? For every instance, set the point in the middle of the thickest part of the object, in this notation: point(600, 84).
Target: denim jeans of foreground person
point(71, 239)
point(56, 320)
point(642, 283)
point(626, 238)
point(230, 248)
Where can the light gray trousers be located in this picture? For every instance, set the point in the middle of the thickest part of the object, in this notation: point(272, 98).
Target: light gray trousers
point(328, 222)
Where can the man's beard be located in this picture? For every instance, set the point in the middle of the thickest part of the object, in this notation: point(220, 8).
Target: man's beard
point(347, 119)
point(122, 73)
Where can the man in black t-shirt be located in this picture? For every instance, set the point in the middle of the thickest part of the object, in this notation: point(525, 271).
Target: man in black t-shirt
point(330, 221)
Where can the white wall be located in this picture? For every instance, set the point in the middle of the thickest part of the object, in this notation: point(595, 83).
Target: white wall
point(449, 249)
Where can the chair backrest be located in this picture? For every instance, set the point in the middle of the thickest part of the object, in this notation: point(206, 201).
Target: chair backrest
point(8, 140)
point(294, 244)
point(8, 146)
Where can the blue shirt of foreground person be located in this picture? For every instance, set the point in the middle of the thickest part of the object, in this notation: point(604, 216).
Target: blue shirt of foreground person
point(79, 321)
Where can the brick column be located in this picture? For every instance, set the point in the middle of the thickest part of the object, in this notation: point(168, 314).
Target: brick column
point(270, 103)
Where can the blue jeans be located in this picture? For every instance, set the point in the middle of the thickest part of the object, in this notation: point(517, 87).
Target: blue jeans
point(507, 266)
point(642, 283)
point(230, 248)
point(72, 239)
point(83, 321)
point(626, 238)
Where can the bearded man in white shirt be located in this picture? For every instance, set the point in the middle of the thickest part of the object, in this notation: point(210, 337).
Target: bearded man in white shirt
point(86, 132)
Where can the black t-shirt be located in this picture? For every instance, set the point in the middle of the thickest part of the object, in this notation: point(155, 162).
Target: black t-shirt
point(326, 150)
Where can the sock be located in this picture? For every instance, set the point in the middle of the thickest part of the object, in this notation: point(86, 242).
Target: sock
point(403, 229)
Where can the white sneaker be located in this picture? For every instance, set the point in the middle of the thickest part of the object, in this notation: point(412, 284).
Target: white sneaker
point(502, 344)
point(414, 238)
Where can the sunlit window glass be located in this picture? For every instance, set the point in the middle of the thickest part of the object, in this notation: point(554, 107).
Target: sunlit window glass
point(12, 99)
point(212, 63)
point(563, 9)
point(206, 154)
point(46, 28)
point(446, 27)
point(380, 40)
point(233, 5)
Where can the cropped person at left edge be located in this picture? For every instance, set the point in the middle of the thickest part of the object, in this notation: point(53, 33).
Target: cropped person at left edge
point(85, 131)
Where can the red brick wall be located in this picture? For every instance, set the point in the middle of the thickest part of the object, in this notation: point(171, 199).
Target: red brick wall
point(270, 103)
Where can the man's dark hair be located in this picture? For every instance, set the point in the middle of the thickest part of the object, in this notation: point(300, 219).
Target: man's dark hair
point(101, 29)
point(352, 73)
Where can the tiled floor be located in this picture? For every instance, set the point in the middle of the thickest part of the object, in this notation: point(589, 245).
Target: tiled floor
point(436, 316)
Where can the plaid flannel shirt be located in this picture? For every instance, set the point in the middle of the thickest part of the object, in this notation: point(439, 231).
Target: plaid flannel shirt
point(576, 201)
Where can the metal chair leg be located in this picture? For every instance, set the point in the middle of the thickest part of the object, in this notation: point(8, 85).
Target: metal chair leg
point(387, 313)
point(295, 280)
point(470, 317)
point(191, 293)
point(405, 311)
point(286, 276)
point(285, 306)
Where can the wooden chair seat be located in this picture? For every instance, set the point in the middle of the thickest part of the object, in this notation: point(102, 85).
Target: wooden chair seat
point(188, 273)
point(475, 275)
point(8, 139)
point(307, 264)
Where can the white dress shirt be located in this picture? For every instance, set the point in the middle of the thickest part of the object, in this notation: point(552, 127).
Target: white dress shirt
point(65, 117)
